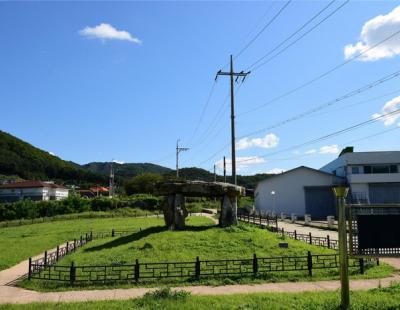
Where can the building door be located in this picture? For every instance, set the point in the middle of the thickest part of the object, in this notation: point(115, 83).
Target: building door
point(320, 201)
point(384, 192)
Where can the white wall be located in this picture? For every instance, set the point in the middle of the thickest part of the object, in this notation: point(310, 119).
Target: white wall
point(289, 190)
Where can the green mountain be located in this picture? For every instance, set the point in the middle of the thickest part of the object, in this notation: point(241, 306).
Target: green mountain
point(127, 170)
point(18, 158)
point(22, 160)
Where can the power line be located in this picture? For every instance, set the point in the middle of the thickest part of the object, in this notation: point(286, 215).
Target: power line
point(299, 38)
point(319, 76)
point(316, 109)
point(339, 145)
point(325, 105)
point(203, 110)
point(339, 132)
point(296, 32)
point(263, 29)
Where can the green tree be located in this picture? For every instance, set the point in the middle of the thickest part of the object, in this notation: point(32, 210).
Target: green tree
point(142, 183)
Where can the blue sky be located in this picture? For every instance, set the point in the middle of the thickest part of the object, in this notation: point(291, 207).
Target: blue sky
point(129, 89)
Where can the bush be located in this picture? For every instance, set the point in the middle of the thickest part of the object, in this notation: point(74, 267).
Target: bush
point(28, 209)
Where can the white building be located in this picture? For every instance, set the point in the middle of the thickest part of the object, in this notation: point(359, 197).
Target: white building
point(299, 191)
point(373, 177)
point(33, 190)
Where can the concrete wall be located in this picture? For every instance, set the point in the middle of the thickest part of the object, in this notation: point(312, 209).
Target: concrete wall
point(289, 189)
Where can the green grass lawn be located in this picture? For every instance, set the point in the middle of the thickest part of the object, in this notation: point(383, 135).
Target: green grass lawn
point(154, 243)
point(388, 298)
point(20, 242)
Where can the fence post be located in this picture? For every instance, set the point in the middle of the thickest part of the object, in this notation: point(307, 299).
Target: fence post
point(137, 270)
point(255, 264)
point(45, 259)
point(361, 262)
point(67, 248)
point(91, 235)
point(276, 222)
point(309, 263)
point(57, 253)
point(267, 220)
point(86, 238)
point(309, 234)
point(328, 241)
point(295, 234)
point(72, 273)
point(197, 268)
point(260, 221)
point(377, 261)
point(81, 241)
point(30, 268)
point(74, 245)
point(113, 233)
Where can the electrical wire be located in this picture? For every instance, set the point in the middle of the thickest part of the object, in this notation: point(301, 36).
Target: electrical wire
point(319, 76)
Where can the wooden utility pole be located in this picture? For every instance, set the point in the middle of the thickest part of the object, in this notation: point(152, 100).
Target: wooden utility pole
point(215, 175)
point(178, 150)
point(233, 74)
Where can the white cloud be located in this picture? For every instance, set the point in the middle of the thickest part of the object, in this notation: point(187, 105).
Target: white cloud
point(312, 151)
point(329, 149)
point(118, 161)
point(276, 171)
point(389, 107)
point(241, 163)
point(51, 153)
point(374, 31)
point(269, 141)
point(108, 32)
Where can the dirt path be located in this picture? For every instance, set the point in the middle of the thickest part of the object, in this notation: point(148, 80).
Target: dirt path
point(21, 296)
point(11, 294)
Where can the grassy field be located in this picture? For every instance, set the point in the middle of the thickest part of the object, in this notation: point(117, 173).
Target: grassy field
point(20, 242)
point(388, 298)
point(154, 243)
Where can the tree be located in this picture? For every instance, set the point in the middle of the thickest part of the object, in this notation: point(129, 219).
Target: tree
point(142, 183)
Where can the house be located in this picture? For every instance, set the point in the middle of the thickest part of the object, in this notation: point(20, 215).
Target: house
point(373, 177)
point(34, 190)
point(299, 191)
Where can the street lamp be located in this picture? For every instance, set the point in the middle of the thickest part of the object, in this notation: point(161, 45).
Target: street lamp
point(341, 193)
point(273, 202)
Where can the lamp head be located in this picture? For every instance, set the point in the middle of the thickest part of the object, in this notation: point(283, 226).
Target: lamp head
point(340, 191)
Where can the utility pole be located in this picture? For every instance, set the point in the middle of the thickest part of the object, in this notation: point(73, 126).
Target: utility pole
point(111, 188)
point(233, 74)
point(215, 175)
point(178, 150)
point(224, 170)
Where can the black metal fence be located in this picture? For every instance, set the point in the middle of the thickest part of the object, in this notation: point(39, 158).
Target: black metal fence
point(51, 258)
point(196, 269)
point(271, 223)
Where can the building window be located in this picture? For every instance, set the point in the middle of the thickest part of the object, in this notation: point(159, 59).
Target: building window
point(394, 169)
point(355, 170)
point(380, 169)
point(367, 169)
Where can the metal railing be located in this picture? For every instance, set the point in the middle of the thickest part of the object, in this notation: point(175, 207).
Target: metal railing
point(196, 269)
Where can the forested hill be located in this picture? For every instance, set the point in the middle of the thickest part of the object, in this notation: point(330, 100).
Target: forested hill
point(21, 159)
point(127, 170)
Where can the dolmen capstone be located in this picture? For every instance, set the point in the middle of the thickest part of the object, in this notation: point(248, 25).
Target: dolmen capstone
point(174, 205)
